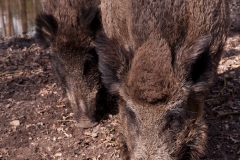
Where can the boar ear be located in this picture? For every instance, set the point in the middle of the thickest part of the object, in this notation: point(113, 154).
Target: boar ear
point(114, 61)
point(46, 29)
point(196, 61)
point(91, 17)
point(200, 60)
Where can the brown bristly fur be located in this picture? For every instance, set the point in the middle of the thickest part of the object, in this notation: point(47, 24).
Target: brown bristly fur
point(69, 28)
point(161, 57)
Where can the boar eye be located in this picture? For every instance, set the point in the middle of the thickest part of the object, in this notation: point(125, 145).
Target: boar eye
point(173, 121)
point(131, 115)
point(90, 61)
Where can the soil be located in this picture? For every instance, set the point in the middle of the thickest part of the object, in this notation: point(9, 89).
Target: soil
point(36, 125)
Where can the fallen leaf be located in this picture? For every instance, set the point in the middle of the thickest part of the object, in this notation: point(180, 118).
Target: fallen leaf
point(60, 105)
point(43, 91)
point(15, 123)
point(234, 140)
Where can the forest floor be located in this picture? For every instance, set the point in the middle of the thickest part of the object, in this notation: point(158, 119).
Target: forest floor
point(36, 125)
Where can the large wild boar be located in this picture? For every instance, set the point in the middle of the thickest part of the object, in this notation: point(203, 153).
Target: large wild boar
point(69, 27)
point(161, 56)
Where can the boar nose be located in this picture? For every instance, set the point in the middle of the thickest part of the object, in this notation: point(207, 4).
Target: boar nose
point(82, 105)
point(85, 115)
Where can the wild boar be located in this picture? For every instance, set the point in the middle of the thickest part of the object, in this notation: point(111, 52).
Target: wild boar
point(69, 27)
point(161, 57)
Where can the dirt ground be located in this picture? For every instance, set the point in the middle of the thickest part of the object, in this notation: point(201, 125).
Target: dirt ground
point(36, 125)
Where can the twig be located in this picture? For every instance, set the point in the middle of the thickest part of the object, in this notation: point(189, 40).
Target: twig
point(11, 72)
point(66, 121)
point(228, 113)
point(22, 85)
point(32, 46)
point(224, 87)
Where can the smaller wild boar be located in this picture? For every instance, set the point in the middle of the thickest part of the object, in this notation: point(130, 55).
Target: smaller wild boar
point(69, 27)
point(161, 57)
